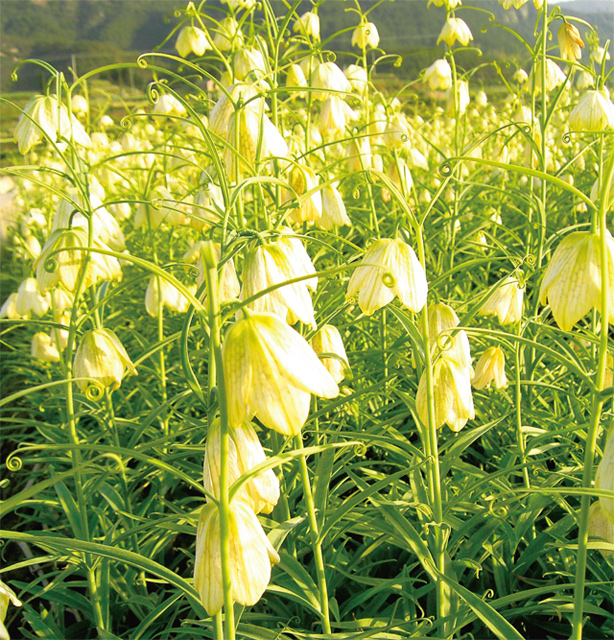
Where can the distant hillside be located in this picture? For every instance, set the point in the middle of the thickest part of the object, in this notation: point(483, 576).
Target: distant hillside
point(96, 32)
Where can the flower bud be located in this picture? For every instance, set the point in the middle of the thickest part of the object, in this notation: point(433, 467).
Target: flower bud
point(101, 358)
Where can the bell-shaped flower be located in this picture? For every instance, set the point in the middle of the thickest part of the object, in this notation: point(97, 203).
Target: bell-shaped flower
point(251, 556)
point(228, 283)
point(490, 368)
point(600, 527)
point(554, 75)
point(244, 453)
point(389, 268)
point(457, 101)
point(439, 75)
point(101, 358)
point(570, 42)
point(162, 293)
point(303, 180)
point(365, 35)
point(505, 302)
point(333, 209)
point(445, 339)
point(327, 77)
point(61, 259)
point(42, 348)
point(228, 35)
point(269, 265)
point(328, 341)
point(192, 39)
point(168, 105)
point(358, 77)
point(43, 115)
point(9, 308)
point(223, 109)
point(270, 372)
point(249, 60)
point(572, 281)
point(30, 300)
point(455, 30)
point(594, 112)
point(334, 116)
point(79, 104)
point(308, 24)
point(452, 399)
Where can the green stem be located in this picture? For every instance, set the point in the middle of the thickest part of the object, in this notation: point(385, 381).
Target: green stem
point(431, 446)
point(597, 405)
point(517, 401)
point(224, 504)
point(316, 545)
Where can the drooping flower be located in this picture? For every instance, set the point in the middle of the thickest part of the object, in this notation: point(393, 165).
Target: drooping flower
point(505, 302)
point(30, 300)
point(308, 24)
point(333, 208)
point(570, 42)
point(365, 35)
point(171, 298)
point(328, 340)
point(42, 348)
point(455, 29)
point(101, 358)
point(269, 265)
point(244, 453)
point(303, 180)
point(328, 77)
point(445, 339)
point(594, 112)
point(271, 372)
point(572, 281)
point(490, 368)
point(452, 397)
point(554, 75)
point(439, 75)
point(251, 556)
point(192, 39)
point(389, 268)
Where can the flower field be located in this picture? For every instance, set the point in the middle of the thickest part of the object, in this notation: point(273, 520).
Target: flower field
point(293, 350)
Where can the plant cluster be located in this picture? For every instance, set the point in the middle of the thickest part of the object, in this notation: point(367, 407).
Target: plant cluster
point(282, 269)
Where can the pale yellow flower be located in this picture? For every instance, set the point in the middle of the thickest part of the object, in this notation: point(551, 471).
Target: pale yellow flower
point(244, 453)
point(251, 556)
point(601, 527)
point(505, 302)
point(594, 112)
point(328, 340)
point(333, 209)
point(444, 338)
point(191, 39)
point(101, 358)
point(42, 348)
point(570, 42)
point(271, 372)
point(308, 24)
point(452, 397)
point(455, 29)
point(572, 281)
point(365, 35)
point(389, 268)
point(6, 595)
point(439, 75)
point(490, 368)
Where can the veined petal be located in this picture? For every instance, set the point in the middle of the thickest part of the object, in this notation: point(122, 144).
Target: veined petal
point(236, 356)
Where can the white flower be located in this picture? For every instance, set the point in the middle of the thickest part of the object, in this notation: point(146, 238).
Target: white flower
point(490, 367)
point(328, 340)
point(308, 24)
point(191, 39)
point(439, 75)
